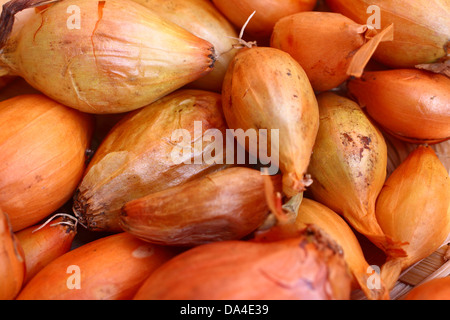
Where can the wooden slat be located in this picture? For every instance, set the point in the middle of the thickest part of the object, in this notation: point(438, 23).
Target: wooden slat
point(425, 268)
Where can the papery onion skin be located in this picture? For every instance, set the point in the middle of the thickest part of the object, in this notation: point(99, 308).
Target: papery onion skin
point(45, 245)
point(201, 18)
point(303, 268)
point(12, 261)
point(225, 205)
point(413, 209)
point(419, 38)
point(413, 105)
point(435, 289)
point(42, 156)
point(110, 268)
point(348, 165)
point(121, 58)
point(265, 88)
point(135, 159)
point(268, 12)
point(308, 37)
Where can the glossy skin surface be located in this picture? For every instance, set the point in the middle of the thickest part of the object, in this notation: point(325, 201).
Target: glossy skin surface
point(413, 105)
point(116, 60)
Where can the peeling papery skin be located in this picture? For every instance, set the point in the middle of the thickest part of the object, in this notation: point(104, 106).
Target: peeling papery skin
point(110, 268)
point(201, 18)
point(422, 28)
point(122, 56)
point(435, 289)
point(348, 165)
point(302, 268)
point(265, 88)
point(135, 159)
point(224, 205)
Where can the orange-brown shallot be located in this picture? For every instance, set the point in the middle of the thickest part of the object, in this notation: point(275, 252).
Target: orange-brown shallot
point(225, 205)
point(110, 268)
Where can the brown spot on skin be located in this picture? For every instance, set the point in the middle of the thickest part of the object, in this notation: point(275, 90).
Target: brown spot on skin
point(346, 139)
point(366, 141)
